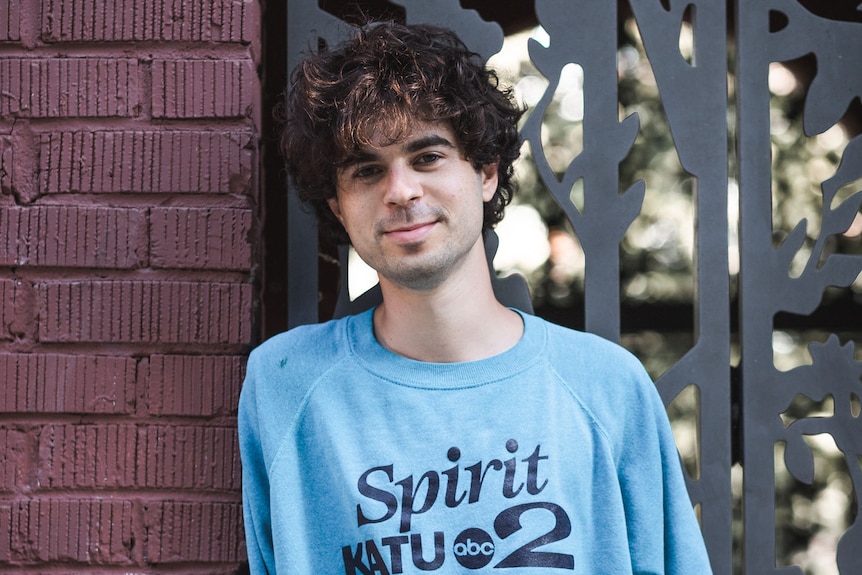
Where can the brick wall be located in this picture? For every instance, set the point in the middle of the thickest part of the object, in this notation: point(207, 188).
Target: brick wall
point(128, 208)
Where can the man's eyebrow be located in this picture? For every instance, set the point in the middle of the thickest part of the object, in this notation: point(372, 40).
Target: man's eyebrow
point(428, 141)
point(363, 155)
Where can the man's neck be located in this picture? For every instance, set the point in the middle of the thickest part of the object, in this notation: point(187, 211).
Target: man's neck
point(460, 320)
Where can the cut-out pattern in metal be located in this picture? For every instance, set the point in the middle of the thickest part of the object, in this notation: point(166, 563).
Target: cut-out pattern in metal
point(694, 96)
point(693, 92)
point(779, 31)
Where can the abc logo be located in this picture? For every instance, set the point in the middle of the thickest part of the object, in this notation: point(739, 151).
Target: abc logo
point(473, 548)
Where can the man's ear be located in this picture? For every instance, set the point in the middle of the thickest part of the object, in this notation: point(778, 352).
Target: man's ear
point(336, 208)
point(489, 174)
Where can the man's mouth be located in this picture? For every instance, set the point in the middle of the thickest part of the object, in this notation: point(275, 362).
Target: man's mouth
point(410, 233)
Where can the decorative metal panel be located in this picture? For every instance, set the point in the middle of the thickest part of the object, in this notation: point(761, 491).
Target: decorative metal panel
point(600, 209)
point(771, 31)
point(694, 96)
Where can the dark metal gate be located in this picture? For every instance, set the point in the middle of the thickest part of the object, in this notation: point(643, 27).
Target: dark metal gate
point(751, 413)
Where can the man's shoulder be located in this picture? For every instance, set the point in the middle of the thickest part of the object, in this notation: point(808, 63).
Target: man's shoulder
point(301, 336)
point(572, 345)
point(609, 381)
point(599, 371)
point(303, 346)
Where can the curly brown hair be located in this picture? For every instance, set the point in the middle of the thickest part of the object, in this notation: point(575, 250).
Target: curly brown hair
point(381, 81)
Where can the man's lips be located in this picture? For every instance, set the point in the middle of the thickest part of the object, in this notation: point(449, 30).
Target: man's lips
point(410, 233)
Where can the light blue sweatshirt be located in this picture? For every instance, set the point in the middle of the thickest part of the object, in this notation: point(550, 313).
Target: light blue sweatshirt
point(553, 457)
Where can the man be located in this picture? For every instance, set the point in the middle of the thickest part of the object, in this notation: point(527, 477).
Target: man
point(441, 431)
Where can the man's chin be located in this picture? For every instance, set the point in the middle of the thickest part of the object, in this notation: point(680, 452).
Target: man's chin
point(416, 275)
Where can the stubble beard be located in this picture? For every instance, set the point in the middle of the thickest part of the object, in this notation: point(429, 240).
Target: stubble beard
point(413, 269)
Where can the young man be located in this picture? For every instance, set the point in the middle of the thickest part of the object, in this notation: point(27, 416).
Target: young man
point(442, 431)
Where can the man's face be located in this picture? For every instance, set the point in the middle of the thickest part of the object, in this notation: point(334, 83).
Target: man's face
point(413, 209)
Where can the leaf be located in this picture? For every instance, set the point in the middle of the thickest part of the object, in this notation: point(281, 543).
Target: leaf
point(792, 244)
point(799, 459)
point(839, 220)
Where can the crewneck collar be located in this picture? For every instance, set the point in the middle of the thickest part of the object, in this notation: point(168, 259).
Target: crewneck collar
point(375, 358)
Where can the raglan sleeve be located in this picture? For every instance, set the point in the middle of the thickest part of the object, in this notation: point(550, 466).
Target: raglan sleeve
point(255, 479)
point(663, 532)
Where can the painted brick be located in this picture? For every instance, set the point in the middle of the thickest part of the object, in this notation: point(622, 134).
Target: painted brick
point(160, 20)
point(203, 88)
point(8, 306)
point(194, 385)
point(10, 20)
point(5, 528)
point(78, 456)
point(87, 456)
point(73, 236)
point(108, 471)
point(97, 530)
point(17, 310)
point(201, 238)
point(54, 383)
point(194, 531)
point(14, 460)
point(147, 161)
point(187, 457)
point(69, 87)
point(6, 162)
point(145, 312)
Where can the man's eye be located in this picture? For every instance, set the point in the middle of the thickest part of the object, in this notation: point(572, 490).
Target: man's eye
point(429, 158)
point(366, 172)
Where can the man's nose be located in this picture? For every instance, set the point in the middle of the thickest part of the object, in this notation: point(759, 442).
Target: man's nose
point(402, 186)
